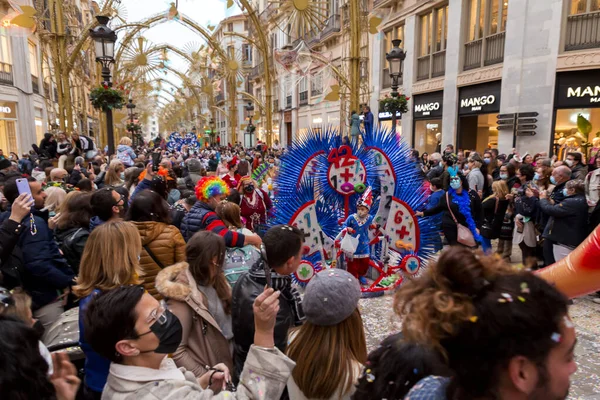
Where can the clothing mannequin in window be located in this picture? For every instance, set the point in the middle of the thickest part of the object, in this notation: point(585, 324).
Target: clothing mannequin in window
point(593, 154)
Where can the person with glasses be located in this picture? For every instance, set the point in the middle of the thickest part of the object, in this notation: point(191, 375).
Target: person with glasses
point(136, 333)
point(111, 258)
point(107, 204)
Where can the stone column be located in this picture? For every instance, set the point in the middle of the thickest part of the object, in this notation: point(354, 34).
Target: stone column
point(453, 65)
point(410, 64)
point(529, 75)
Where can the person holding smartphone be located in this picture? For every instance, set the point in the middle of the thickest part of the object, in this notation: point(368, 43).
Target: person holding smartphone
point(47, 276)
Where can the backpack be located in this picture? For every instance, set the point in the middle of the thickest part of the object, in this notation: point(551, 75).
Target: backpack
point(239, 260)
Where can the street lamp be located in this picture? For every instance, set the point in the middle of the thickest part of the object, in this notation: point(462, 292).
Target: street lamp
point(395, 59)
point(104, 45)
point(250, 128)
point(130, 107)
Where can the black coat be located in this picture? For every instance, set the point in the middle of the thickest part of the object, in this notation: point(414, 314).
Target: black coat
point(71, 242)
point(492, 216)
point(248, 287)
point(568, 220)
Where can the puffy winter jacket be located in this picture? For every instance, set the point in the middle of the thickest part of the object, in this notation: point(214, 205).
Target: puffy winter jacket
point(126, 155)
point(202, 217)
point(71, 242)
point(166, 244)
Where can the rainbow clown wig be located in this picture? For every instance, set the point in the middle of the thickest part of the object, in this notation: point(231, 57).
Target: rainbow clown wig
point(210, 186)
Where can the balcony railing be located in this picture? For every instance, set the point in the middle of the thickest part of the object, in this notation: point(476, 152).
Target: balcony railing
point(6, 75)
point(257, 70)
point(494, 49)
point(473, 54)
point(288, 102)
point(35, 85)
point(423, 67)
point(304, 98)
point(334, 25)
point(583, 31)
point(439, 64)
point(484, 52)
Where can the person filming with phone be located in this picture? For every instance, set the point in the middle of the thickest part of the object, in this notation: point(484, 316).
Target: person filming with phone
point(43, 272)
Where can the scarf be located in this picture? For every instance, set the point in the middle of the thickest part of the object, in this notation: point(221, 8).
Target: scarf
point(463, 201)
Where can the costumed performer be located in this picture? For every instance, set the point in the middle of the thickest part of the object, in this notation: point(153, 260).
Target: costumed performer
point(358, 225)
point(254, 203)
point(232, 178)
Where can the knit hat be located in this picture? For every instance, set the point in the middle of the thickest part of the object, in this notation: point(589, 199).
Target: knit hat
point(331, 296)
point(5, 163)
point(194, 165)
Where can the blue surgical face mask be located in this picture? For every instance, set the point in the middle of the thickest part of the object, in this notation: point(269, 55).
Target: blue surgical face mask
point(487, 160)
point(565, 192)
point(504, 176)
point(552, 180)
point(536, 177)
point(122, 176)
point(455, 184)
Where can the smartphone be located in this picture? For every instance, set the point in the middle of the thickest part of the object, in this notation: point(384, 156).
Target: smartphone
point(155, 161)
point(23, 187)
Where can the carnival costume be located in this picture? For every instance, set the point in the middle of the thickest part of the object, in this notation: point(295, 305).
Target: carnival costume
point(254, 205)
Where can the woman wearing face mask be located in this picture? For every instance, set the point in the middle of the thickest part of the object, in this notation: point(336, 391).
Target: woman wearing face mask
point(200, 297)
point(508, 174)
point(113, 176)
point(526, 199)
point(457, 209)
point(110, 259)
point(542, 176)
point(255, 203)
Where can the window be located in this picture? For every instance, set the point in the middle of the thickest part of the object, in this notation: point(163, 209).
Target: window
point(583, 6)
point(433, 36)
point(230, 27)
point(39, 125)
point(247, 52)
point(316, 84)
point(246, 28)
point(485, 33)
point(33, 63)
point(393, 33)
point(303, 89)
point(231, 51)
point(5, 57)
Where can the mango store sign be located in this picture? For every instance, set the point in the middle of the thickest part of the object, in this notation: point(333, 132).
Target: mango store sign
point(477, 103)
point(5, 110)
point(592, 92)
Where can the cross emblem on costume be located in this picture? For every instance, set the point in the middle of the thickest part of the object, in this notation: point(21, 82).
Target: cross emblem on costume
point(402, 232)
point(347, 175)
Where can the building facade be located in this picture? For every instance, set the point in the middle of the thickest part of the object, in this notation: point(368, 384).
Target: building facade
point(469, 61)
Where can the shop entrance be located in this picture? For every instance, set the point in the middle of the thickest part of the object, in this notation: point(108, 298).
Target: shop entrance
point(478, 132)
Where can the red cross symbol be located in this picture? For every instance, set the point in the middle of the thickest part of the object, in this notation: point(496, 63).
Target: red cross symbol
point(347, 175)
point(402, 232)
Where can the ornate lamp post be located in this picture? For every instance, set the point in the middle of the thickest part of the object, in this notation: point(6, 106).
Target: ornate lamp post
point(130, 107)
point(104, 45)
point(395, 59)
point(250, 128)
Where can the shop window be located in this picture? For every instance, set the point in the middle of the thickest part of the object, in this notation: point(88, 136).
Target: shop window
point(486, 33)
point(567, 138)
point(583, 25)
point(428, 133)
point(8, 136)
point(433, 35)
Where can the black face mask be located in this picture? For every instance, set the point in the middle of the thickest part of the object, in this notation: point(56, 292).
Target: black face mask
point(249, 189)
point(39, 329)
point(169, 333)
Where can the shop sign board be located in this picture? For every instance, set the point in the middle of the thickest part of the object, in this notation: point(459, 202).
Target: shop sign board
point(578, 89)
point(480, 99)
point(428, 106)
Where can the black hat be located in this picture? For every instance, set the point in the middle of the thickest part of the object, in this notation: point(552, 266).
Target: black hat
point(5, 163)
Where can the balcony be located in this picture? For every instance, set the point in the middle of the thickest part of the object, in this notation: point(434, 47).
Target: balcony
point(583, 31)
point(304, 98)
point(288, 102)
point(6, 75)
point(257, 70)
point(315, 91)
point(35, 84)
point(334, 25)
point(431, 66)
point(483, 52)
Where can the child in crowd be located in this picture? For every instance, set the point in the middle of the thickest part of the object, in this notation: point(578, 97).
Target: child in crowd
point(281, 256)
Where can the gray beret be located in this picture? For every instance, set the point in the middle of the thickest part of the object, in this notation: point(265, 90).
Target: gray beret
point(331, 296)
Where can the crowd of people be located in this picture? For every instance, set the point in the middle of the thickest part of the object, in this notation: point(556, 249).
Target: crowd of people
point(545, 206)
point(142, 244)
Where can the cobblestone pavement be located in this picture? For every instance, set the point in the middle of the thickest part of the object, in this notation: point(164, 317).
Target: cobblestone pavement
point(380, 322)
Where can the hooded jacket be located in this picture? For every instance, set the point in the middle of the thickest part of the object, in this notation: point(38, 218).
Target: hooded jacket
point(203, 342)
point(165, 243)
point(126, 155)
point(265, 375)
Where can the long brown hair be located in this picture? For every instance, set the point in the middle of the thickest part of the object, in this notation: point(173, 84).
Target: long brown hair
point(200, 252)
point(230, 214)
point(335, 349)
point(75, 211)
point(110, 258)
point(113, 173)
